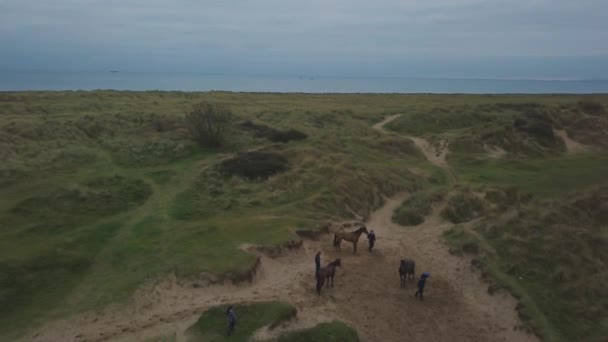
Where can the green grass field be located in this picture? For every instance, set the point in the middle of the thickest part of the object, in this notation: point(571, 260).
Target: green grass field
point(101, 192)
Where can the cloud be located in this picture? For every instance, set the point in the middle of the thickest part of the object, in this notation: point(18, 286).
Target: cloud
point(206, 34)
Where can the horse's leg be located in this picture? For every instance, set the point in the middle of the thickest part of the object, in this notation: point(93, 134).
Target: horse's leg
point(332, 280)
point(355, 247)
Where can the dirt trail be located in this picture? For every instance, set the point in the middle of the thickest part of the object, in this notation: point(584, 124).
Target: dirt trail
point(380, 125)
point(457, 306)
point(434, 155)
point(571, 145)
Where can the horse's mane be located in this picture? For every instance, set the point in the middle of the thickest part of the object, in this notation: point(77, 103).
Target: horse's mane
point(333, 263)
point(360, 230)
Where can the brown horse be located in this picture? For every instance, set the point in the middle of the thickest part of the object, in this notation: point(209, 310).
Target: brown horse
point(326, 274)
point(349, 236)
point(407, 268)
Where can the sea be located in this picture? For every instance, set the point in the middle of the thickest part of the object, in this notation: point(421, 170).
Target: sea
point(181, 81)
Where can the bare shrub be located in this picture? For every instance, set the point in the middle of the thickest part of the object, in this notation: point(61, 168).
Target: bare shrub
point(210, 124)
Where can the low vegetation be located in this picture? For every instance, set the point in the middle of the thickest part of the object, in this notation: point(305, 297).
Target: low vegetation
point(101, 192)
point(324, 332)
point(273, 134)
point(463, 206)
point(413, 210)
point(212, 324)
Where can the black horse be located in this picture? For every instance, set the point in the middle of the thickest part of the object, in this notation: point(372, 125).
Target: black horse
point(407, 268)
point(326, 274)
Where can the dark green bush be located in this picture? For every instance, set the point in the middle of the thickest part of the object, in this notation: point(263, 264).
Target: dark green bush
point(254, 165)
point(408, 217)
point(273, 134)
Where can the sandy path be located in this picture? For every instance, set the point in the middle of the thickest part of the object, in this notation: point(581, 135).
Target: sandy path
point(571, 145)
point(380, 125)
point(457, 306)
point(434, 155)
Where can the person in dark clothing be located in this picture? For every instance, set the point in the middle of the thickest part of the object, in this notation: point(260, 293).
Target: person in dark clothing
point(231, 320)
point(421, 284)
point(317, 262)
point(371, 238)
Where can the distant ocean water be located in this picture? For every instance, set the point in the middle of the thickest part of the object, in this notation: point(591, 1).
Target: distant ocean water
point(54, 80)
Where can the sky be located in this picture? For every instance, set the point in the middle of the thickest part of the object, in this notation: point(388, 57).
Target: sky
point(562, 39)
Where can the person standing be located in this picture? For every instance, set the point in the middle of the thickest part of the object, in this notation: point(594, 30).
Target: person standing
point(231, 315)
point(317, 262)
point(422, 284)
point(371, 238)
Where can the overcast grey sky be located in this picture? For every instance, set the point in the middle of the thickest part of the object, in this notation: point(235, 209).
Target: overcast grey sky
point(434, 38)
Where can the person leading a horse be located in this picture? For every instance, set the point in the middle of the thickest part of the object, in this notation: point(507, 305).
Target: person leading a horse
point(371, 238)
point(422, 284)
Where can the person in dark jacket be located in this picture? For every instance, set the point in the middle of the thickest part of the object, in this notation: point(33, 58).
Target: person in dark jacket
point(421, 284)
point(317, 262)
point(231, 320)
point(371, 238)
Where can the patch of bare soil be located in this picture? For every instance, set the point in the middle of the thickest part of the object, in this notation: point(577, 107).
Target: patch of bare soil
point(571, 145)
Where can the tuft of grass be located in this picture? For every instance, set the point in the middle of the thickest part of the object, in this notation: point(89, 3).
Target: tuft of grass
point(461, 242)
point(463, 206)
point(324, 332)
point(212, 324)
point(413, 210)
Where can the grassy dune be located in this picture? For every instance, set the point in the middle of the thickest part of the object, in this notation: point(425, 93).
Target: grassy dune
point(103, 191)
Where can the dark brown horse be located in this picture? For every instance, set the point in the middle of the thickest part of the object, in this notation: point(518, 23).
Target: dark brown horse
point(349, 236)
point(407, 268)
point(326, 274)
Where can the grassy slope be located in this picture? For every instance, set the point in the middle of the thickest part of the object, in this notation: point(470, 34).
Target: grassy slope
point(53, 144)
point(551, 255)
